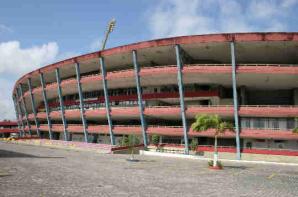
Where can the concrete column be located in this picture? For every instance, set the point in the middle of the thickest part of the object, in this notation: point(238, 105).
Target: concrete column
point(243, 95)
point(82, 110)
point(107, 101)
point(33, 107)
point(160, 139)
point(295, 96)
point(45, 100)
point(235, 99)
point(181, 94)
point(140, 100)
point(61, 104)
point(25, 109)
point(21, 129)
point(20, 113)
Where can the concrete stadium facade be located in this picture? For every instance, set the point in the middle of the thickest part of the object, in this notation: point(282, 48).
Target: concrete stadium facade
point(158, 86)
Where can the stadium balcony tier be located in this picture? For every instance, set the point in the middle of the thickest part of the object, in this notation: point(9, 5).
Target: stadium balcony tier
point(159, 86)
point(7, 128)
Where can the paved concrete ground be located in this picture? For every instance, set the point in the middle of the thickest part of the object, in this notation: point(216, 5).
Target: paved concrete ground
point(40, 171)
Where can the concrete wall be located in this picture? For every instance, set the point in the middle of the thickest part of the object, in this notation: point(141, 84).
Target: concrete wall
point(255, 157)
point(226, 101)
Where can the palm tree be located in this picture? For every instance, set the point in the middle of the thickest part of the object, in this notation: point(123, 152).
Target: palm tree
point(205, 122)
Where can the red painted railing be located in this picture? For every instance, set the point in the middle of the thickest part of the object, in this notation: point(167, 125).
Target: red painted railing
point(7, 130)
point(176, 131)
point(8, 123)
point(174, 111)
point(268, 111)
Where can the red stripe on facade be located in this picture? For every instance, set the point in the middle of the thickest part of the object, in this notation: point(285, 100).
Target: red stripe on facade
point(7, 130)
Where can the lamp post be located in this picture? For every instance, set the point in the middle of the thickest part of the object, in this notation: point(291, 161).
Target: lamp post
point(110, 28)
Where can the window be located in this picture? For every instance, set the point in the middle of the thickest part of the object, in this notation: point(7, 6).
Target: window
point(260, 140)
point(279, 141)
point(259, 123)
point(275, 124)
point(290, 123)
point(247, 123)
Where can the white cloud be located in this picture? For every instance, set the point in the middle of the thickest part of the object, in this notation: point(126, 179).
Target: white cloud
point(4, 28)
point(6, 104)
point(175, 17)
point(16, 61)
point(288, 3)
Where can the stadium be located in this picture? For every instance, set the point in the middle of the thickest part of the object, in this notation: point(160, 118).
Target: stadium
point(159, 86)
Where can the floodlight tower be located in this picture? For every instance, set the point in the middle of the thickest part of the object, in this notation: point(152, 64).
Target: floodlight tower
point(110, 28)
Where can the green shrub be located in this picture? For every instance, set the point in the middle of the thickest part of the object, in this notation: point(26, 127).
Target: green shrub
point(124, 141)
point(155, 139)
point(210, 163)
point(194, 144)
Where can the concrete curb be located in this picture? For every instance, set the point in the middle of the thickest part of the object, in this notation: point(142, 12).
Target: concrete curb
point(181, 156)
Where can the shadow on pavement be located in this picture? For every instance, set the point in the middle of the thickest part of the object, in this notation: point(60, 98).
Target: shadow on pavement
point(4, 175)
point(236, 167)
point(12, 154)
point(146, 160)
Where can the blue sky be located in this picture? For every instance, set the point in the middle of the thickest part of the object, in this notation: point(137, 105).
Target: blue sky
point(74, 24)
point(34, 33)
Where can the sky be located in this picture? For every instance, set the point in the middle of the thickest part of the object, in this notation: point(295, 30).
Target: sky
point(35, 33)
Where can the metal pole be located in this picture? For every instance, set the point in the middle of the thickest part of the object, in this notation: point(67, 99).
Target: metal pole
point(140, 100)
point(25, 108)
point(77, 67)
point(61, 104)
point(181, 94)
point(106, 95)
point(42, 81)
point(235, 98)
point(33, 107)
point(109, 30)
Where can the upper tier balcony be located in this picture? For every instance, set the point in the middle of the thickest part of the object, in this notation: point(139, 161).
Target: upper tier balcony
point(9, 130)
point(264, 76)
point(172, 112)
point(173, 131)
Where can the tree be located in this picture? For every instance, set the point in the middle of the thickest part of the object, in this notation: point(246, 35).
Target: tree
point(130, 141)
point(194, 144)
point(205, 122)
point(155, 139)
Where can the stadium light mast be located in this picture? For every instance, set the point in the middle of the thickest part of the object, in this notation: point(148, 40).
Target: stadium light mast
point(110, 28)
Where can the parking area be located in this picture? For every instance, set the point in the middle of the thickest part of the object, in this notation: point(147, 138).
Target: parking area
point(39, 171)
